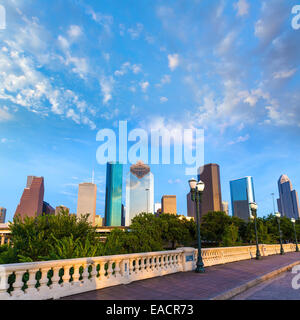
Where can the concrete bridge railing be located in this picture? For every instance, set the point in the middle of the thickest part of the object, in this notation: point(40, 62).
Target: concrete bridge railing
point(56, 279)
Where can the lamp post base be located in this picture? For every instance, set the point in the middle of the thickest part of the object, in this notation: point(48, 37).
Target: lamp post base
point(200, 270)
point(258, 256)
point(281, 251)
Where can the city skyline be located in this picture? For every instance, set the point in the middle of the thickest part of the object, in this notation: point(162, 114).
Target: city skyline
point(67, 77)
point(137, 169)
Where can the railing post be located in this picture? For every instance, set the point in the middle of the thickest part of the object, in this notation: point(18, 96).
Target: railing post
point(188, 259)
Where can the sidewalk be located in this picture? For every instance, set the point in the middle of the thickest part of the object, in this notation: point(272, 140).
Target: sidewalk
point(216, 282)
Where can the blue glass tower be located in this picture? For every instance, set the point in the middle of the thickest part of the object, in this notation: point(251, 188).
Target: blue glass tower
point(242, 194)
point(288, 202)
point(113, 198)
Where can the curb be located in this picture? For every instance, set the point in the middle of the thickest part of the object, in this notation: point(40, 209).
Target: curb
point(240, 289)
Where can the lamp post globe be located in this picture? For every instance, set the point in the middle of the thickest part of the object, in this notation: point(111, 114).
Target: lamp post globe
point(278, 216)
point(196, 195)
point(253, 207)
point(294, 225)
point(192, 183)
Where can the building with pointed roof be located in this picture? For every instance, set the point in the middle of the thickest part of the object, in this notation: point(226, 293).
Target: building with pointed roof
point(288, 202)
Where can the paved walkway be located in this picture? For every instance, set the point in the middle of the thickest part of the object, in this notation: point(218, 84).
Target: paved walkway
point(191, 286)
point(278, 288)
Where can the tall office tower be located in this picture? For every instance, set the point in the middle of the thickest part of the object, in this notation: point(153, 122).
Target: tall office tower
point(139, 191)
point(288, 202)
point(31, 203)
point(242, 194)
point(225, 207)
point(168, 204)
point(99, 221)
point(123, 215)
point(113, 198)
point(212, 197)
point(48, 209)
point(191, 206)
point(87, 195)
point(61, 208)
point(2, 214)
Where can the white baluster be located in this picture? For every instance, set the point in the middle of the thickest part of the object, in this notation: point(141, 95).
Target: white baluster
point(32, 282)
point(109, 269)
point(117, 269)
point(18, 284)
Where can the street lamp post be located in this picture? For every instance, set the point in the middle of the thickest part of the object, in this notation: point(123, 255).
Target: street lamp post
point(278, 215)
point(253, 207)
point(294, 222)
point(197, 189)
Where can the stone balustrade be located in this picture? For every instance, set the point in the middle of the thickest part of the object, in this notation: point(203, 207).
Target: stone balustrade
point(56, 279)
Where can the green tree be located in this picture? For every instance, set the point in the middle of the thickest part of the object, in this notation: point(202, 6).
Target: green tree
point(34, 238)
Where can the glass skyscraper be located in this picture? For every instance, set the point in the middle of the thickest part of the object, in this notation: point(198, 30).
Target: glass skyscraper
point(242, 194)
point(288, 202)
point(139, 191)
point(113, 198)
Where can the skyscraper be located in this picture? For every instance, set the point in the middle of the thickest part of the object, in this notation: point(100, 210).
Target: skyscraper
point(139, 191)
point(61, 208)
point(242, 194)
point(212, 196)
point(31, 203)
point(113, 198)
point(288, 202)
point(2, 214)
point(168, 204)
point(225, 207)
point(191, 206)
point(87, 195)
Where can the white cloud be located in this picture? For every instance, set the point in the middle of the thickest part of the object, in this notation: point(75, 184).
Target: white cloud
point(136, 32)
point(163, 99)
point(173, 61)
point(240, 139)
point(164, 80)
point(107, 84)
point(74, 31)
point(144, 85)
point(227, 43)
point(126, 66)
point(242, 7)
point(284, 74)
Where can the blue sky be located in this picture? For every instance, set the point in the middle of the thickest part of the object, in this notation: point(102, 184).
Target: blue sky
point(70, 68)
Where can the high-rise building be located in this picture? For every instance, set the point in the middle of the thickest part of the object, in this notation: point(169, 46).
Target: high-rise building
point(61, 208)
point(48, 209)
point(99, 221)
point(212, 197)
point(168, 204)
point(2, 214)
point(31, 203)
point(191, 206)
point(123, 215)
point(113, 198)
point(139, 191)
point(87, 195)
point(242, 194)
point(225, 207)
point(288, 202)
